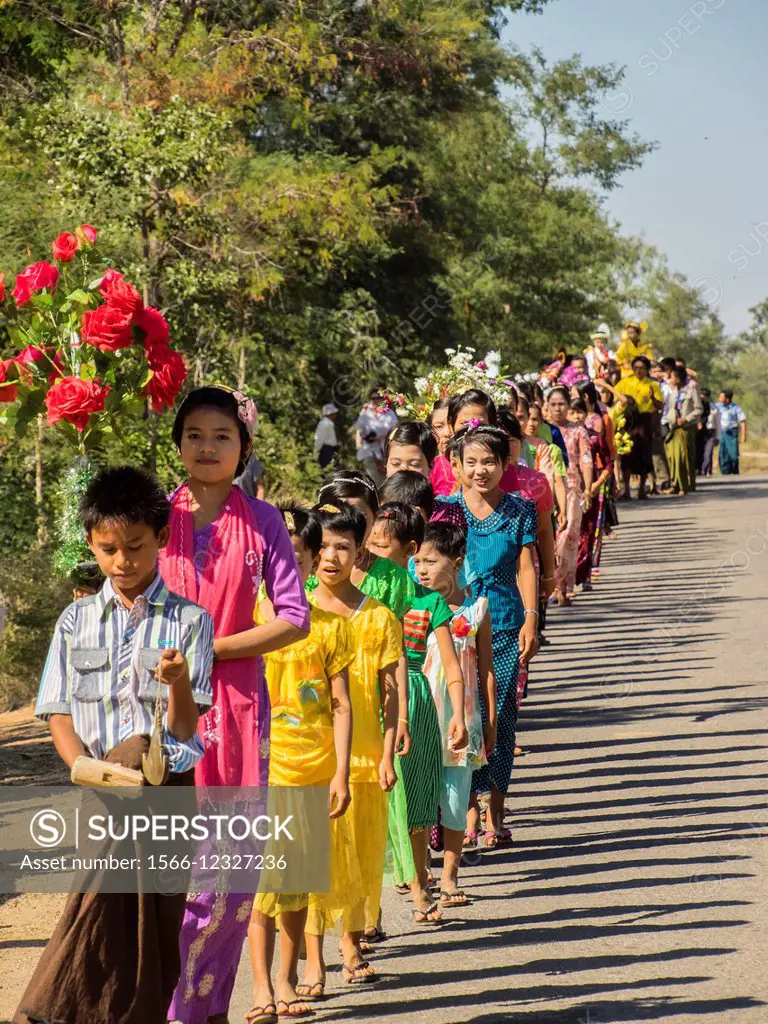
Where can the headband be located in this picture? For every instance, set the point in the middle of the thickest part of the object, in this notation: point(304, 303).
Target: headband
point(350, 480)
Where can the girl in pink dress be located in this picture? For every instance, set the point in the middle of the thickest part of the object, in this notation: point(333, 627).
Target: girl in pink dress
point(441, 477)
point(222, 545)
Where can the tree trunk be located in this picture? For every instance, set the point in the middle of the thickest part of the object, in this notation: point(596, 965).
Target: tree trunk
point(241, 369)
point(42, 530)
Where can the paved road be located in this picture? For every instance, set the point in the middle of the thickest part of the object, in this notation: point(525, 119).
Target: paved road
point(636, 889)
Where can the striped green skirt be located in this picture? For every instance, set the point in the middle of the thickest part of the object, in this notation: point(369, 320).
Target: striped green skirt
point(414, 802)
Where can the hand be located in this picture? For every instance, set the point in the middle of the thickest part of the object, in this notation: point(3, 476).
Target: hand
point(457, 733)
point(562, 519)
point(172, 668)
point(587, 499)
point(489, 735)
point(595, 488)
point(529, 641)
point(387, 774)
point(339, 793)
point(402, 739)
point(547, 587)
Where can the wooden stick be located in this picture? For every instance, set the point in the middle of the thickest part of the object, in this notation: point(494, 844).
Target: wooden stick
point(87, 771)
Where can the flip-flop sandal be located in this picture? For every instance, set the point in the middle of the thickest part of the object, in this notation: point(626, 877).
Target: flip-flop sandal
point(402, 889)
point(470, 842)
point(308, 993)
point(520, 752)
point(287, 1011)
point(375, 934)
point(505, 836)
point(426, 920)
point(351, 977)
point(262, 1014)
point(453, 899)
point(491, 840)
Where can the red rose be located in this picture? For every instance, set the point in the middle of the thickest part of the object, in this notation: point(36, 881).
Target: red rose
point(74, 400)
point(169, 374)
point(2, 287)
point(57, 369)
point(65, 246)
point(33, 279)
point(107, 329)
point(109, 277)
point(8, 392)
point(122, 296)
point(155, 327)
point(87, 233)
point(30, 354)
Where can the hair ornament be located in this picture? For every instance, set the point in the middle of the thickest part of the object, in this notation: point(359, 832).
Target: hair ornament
point(350, 480)
point(290, 522)
point(334, 509)
point(247, 412)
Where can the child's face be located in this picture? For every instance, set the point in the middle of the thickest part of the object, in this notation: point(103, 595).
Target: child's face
point(576, 417)
point(338, 555)
point(406, 456)
point(534, 422)
point(305, 560)
point(515, 450)
point(127, 554)
point(580, 364)
point(441, 428)
point(362, 506)
point(210, 446)
point(470, 413)
point(383, 543)
point(436, 571)
point(482, 470)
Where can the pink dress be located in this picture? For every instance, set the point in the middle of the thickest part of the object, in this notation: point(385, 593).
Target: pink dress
point(441, 477)
point(221, 568)
point(567, 547)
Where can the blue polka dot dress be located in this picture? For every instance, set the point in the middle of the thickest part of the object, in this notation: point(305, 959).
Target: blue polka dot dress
point(493, 551)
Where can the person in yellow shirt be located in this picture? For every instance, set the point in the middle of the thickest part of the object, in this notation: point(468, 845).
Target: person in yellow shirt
point(632, 346)
point(311, 739)
point(646, 399)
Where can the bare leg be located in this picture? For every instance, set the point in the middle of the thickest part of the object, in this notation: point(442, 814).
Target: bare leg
point(291, 932)
point(452, 842)
point(315, 971)
point(422, 897)
point(261, 942)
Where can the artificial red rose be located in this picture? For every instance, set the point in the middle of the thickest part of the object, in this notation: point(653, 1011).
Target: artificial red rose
point(65, 246)
point(107, 328)
point(8, 392)
point(33, 279)
point(155, 327)
point(74, 400)
point(110, 276)
point(87, 233)
point(121, 295)
point(460, 626)
point(169, 375)
point(2, 287)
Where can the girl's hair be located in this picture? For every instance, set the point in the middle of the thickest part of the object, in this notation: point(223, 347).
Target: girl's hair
point(303, 523)
point(522, 401)
point(441, 403)
point(350, 483)
point(538, 394)
point(587, 390)
point(448, 539)
point(511, 424)
point(471, 397)
point(578, 406)
point(492, 438)
point(536, 407)
point(410, 488)
point(524, 389)
point(416, 433)
point(403, 522)
point(644, 360)
point(213, 398)
point(338, 517)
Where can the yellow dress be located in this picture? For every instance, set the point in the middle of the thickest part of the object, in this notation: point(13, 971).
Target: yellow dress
point(628, 351)
point(378, 643)
point(643, 391)
point(302, 750)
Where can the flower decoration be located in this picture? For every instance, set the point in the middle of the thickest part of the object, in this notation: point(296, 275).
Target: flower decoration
point(247, 412)
point(461, 627)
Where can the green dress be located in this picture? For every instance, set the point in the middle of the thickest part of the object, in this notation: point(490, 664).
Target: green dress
point(387, 582)
point(414, 801)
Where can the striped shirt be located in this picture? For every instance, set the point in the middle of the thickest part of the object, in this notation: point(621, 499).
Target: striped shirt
point(100, 667)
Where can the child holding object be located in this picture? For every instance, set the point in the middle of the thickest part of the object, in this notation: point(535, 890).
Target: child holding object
point(373, 690)
point(311, 737)
point(438, 563)
point(115, 956)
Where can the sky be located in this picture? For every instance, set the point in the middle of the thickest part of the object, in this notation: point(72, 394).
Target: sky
point(697, 84)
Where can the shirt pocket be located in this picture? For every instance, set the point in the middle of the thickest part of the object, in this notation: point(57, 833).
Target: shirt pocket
point(90, 672)
point(148, 685)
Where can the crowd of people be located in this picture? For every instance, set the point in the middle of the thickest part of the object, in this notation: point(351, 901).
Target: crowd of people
point(376, 642)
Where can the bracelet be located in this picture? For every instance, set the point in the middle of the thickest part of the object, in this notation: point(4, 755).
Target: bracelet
point(403, 720)
point(546, 579)
point(454, 682)
point(530, 611)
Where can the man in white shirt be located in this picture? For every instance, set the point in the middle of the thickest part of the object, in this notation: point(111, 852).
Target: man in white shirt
point(326, 441)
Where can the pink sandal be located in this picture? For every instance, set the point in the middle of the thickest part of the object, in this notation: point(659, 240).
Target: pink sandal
point(490, 840)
